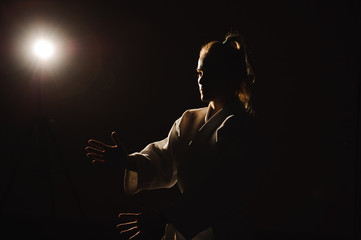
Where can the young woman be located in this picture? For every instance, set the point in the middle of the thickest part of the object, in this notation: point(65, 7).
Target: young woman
point(211, 153)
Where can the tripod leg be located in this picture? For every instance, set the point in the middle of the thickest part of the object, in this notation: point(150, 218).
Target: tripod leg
point(19, 159)
point(67, 175)
point(45, 161)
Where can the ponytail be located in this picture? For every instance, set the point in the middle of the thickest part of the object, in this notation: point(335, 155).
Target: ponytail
point(237, 42)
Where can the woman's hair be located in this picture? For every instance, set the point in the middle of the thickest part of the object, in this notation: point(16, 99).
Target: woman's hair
point(231, 55)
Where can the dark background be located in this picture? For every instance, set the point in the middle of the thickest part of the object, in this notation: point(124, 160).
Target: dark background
point(130, 67)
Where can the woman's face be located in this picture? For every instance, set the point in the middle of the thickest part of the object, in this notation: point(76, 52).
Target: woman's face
point(212, 80)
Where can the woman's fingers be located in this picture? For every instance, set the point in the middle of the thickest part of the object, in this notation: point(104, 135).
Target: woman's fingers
point(127, 220)
point(97, 144)
point(100, 152)
point(96, 161)
point(128, 214)
point(128, 227)
point(96, 150)
point(115, 138)
point(126, 223)
point(136, 234)
point(94, 155)
point(130, 232)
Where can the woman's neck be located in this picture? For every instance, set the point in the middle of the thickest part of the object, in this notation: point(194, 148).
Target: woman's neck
point(218, 104)
point(215, 107)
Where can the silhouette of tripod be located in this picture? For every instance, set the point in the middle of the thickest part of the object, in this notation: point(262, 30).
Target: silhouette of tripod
point(41, 123)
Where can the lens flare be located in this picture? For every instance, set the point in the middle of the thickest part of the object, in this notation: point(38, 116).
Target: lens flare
point(43, 49)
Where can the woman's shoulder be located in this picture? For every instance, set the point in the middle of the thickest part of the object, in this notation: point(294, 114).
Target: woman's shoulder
point(239, 125)
point(193, 115)
point(195, 112)
point(240, 118)
point(190, 121)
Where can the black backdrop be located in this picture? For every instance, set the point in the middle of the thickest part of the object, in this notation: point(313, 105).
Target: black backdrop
point(130, 67)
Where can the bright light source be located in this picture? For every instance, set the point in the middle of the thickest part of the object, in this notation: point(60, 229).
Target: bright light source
point(43, 49)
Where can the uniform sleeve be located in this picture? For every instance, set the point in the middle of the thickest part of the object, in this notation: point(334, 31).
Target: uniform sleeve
point(155, 165)
point(223, 194)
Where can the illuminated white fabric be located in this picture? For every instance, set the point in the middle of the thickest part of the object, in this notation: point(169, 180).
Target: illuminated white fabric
point(186, 156)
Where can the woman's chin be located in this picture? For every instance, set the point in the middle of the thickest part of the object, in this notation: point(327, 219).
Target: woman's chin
point(204, 98)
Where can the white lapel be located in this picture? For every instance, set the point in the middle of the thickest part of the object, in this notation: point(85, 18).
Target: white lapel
point(211, 124)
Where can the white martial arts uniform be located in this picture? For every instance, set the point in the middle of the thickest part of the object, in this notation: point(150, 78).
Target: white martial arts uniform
point(196, 150)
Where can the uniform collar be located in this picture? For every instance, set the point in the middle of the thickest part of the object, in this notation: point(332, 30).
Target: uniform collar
point(228, 109)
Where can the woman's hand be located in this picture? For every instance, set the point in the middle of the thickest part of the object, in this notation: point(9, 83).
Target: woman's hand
point(148, 225)
point(110, 155)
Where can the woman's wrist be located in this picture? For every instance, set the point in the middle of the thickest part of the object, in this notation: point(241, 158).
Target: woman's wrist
point(130, 163)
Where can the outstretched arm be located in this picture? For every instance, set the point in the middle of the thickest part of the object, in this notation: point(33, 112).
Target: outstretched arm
point(155, 165)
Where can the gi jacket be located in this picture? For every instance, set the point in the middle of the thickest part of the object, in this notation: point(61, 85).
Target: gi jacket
point(216, 164)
